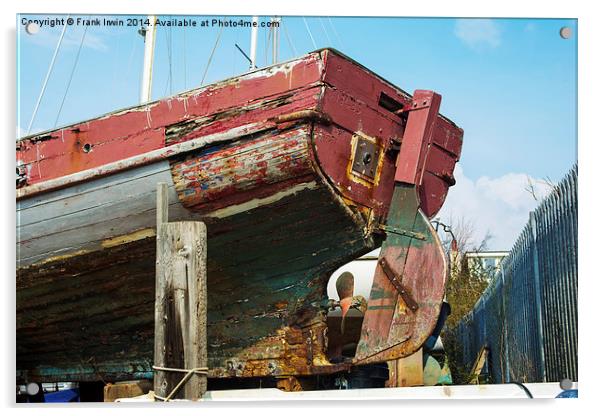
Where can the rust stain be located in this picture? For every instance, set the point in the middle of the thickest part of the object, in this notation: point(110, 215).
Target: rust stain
point(356, 177)
point(281, 305)
point(289, 384)
point(291, 351)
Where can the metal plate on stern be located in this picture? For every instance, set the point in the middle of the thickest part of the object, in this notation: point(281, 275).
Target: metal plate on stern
point(365, 159)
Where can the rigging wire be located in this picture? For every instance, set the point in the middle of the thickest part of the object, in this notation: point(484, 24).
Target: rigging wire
point(290, 43)
point(116, 66)
point(168, 82)
point(335, 32)
point(309, 31)
point(325, 32)
point(268, 37)
point(234, 57)
point(50, 68)
point(219, 34)
point(81, 43)
point(184, 54)
point(170, 51)
point(129, 66)
point(234, 54)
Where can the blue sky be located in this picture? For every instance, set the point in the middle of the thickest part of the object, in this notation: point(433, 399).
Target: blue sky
point(509, 83)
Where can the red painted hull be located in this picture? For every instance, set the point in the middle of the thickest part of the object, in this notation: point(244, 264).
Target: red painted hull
point(354, 100)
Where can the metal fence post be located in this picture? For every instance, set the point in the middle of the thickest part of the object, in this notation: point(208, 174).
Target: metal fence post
point(540, 339)
point(505, 321)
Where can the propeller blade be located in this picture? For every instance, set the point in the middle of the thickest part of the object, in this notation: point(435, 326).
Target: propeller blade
point(345, 285)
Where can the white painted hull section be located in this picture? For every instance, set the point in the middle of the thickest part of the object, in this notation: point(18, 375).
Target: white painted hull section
point(88, 216)
point(107, 211)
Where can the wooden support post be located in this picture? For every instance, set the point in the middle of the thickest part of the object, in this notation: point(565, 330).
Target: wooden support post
point(478, 365)
point(180, 303)
point(162, 206)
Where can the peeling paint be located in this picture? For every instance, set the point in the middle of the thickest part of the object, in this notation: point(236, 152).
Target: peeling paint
point(281, 208)
point(255, 203)
point(123, 239)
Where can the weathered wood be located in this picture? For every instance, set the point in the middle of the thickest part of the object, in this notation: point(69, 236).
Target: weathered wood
point(162, 205)
point(126, 389)
point(283, 209)
point(255, 325)
point(160, 377)
point(180, 303)
point(87, 217)
point(478, 365)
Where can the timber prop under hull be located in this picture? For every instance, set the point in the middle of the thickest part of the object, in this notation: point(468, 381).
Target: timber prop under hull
point(274, 163)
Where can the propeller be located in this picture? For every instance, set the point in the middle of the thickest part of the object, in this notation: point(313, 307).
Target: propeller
point(345, 286)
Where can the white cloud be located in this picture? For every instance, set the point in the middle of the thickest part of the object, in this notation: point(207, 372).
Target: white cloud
point(478, 33)
point(499, 205)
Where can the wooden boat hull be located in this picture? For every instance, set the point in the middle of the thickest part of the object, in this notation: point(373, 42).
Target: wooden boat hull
point(272, 172)
point(266, 288)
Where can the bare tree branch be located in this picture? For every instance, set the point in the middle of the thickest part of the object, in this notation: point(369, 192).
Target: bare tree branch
point(530, 188)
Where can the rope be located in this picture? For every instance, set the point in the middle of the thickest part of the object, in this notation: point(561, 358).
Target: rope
point(309, 31)
point(198, 370)
point(50, 68)
point(219, 34)
point(189, 373)
point(81, 43)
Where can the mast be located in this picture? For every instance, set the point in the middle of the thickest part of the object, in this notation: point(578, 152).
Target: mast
point(253, 49)
point(275, 38)
point(149, 50)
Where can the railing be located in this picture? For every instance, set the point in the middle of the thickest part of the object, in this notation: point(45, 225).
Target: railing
point(527, 317)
